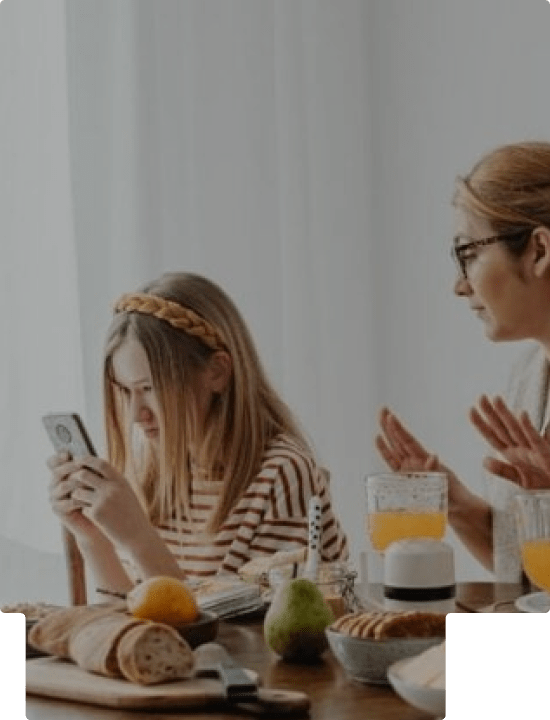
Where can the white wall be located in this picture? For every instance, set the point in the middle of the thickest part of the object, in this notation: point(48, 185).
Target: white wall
point(354, 169)
point(353, 118)
point(450, 81)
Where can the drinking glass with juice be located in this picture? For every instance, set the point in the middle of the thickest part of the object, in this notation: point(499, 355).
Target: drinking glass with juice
point(533, 525)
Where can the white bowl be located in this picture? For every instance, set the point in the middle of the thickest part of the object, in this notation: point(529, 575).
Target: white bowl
point(430, 700)
point(368, 660)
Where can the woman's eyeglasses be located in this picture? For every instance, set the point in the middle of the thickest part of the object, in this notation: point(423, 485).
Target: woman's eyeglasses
point(461, 250)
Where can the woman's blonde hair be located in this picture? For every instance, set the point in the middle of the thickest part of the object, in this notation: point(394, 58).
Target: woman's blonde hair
point(510, 188)
point(240, 421)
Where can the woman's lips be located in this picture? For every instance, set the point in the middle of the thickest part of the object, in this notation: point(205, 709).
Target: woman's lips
point(151, 432)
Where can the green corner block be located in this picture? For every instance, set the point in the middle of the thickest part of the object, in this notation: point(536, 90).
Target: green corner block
point(12, 666)
point(497, 666)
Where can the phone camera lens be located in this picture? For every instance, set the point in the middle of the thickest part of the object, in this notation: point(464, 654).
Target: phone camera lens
point(63, 434)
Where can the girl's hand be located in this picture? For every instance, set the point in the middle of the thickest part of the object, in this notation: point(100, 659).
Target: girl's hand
point(400, 449)
point(526, 451)
point(108, 501)
point(64, 505)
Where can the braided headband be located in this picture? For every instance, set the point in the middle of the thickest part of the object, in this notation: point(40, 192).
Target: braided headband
point(178, 316)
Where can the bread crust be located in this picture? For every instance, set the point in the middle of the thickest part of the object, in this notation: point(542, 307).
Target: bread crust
point(93, 647)
point(52, 633)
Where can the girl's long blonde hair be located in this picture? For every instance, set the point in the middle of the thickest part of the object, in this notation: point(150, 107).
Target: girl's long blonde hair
point(240, 421)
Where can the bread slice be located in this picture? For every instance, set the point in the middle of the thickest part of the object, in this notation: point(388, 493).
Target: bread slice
point(341, 623)
point(152, 653)
point(360, 624)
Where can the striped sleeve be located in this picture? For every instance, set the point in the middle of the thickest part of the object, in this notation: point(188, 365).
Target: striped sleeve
point(286, 521)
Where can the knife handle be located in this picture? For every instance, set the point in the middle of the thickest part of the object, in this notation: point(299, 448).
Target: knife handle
point(237, 684)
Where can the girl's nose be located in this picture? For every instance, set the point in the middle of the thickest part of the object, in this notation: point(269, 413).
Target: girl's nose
point(139, 410)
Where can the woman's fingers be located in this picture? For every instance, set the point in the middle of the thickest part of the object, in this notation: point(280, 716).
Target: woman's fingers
point(510, 422)
point(537, 442)
point(502, 469)
point(400, 437)
point(486, 430)
point(386, 453)
point(498, 425)
point(432, 463)
point(487, 421)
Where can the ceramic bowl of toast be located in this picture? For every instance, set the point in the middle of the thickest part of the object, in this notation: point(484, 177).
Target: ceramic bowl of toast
point(367, 643)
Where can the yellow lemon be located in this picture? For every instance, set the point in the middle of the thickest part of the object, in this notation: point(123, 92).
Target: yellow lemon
point(163, 599)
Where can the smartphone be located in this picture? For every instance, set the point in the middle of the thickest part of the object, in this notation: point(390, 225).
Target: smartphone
point(68, 434)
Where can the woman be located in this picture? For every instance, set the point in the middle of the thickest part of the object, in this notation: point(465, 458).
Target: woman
point(502, 252)
point(207, 467)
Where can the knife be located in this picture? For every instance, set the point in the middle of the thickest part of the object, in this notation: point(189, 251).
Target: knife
point(241, 686)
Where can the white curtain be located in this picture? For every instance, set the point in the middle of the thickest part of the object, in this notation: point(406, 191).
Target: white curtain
point(40, 359)
point(229, 138)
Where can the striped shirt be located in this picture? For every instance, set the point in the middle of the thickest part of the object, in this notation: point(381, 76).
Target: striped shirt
point(271, 515)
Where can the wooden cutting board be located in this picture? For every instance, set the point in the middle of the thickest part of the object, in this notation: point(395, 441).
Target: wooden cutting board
point(61, 679)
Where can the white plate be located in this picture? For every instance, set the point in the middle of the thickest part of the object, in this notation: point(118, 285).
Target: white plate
point(430, 700)
point(538, 602)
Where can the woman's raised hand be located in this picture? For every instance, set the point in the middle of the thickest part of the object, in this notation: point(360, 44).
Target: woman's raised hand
point(401, 450)
point(525, 451)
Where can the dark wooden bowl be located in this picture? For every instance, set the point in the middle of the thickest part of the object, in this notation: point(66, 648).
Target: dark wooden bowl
point(202, 630)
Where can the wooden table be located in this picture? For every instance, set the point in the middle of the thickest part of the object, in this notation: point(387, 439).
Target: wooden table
point(333, 695)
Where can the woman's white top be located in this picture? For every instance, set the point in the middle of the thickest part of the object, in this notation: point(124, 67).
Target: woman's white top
point(528, 390)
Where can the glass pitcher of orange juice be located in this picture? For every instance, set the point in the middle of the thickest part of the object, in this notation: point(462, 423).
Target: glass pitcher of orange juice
point(405, 505)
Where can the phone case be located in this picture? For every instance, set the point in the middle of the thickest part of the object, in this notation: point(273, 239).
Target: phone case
point(67, 433)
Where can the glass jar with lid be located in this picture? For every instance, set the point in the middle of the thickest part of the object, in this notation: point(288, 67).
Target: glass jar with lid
point(336, 582)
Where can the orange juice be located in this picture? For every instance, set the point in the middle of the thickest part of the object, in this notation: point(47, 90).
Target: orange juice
point(386, 527)
point(536, 561)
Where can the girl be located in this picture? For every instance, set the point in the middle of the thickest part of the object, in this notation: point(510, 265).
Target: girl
point(206, 467)
point(502, 252)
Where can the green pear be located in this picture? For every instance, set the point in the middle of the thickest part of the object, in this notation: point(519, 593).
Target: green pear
point(294, 625)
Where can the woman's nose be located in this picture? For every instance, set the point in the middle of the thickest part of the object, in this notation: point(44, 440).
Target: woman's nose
point(461, 286)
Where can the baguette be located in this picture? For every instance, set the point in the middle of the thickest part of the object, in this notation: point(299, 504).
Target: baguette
point(93, 647)
point(151, 653)
point(52, 633)
point(114, 644)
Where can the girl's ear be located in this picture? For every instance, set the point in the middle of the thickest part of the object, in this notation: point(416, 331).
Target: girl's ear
point(220, 369)
point(541, 251)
